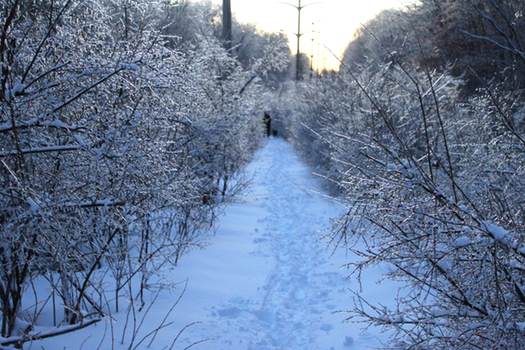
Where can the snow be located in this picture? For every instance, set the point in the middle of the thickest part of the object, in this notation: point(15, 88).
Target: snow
point(17, 89)
point(462, 241)
point(58, 124)
point(445, 264)
point(129, 66)
point(33, 205)
point(497, 232)
point(61, 148)
point(265, 281)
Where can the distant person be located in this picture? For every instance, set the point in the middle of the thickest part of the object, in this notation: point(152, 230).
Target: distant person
point(268, 123)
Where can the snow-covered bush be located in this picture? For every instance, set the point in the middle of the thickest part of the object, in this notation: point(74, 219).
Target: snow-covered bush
point(114, 145)
point(434, 184)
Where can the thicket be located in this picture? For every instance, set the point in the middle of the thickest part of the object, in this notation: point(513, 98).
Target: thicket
point(422, 131)
point(122, 126)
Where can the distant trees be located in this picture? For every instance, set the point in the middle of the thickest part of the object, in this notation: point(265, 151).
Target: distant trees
point(422, 132)
point(377, 40)
point(120, 130)
point(470, 38)
point(486, 36)
point(264, 50)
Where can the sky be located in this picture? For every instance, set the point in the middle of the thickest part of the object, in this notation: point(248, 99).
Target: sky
point(328, 25)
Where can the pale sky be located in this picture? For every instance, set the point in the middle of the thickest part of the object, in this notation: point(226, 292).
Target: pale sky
point(331, 23)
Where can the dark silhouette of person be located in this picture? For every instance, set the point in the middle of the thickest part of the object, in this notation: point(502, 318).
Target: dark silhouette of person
point(268, 123)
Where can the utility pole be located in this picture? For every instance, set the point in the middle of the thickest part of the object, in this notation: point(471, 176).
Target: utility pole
point(312, 52)
point(298, 62)
point(298, 34)
point(227, 24)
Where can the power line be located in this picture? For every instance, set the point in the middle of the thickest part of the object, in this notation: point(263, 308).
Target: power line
point(298, 63)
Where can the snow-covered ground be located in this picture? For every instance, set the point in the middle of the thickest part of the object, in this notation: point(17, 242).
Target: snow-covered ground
point(265, 281)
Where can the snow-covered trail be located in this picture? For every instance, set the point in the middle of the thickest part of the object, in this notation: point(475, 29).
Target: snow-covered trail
point(286, 313)
point(266, 280)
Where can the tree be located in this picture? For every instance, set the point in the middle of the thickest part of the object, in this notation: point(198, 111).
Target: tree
point(431, 171)
point(118, 141)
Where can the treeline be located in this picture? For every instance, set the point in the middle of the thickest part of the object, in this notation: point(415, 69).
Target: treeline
point(479, 41)
point(122, 126)
point(422, 131)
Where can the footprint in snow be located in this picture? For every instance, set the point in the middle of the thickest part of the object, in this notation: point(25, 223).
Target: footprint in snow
point(231, 312)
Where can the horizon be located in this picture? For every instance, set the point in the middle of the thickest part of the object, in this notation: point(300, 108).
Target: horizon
point(326, 33)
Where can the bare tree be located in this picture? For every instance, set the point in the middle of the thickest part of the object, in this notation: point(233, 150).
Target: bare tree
point(115, 147)
point(432, 174)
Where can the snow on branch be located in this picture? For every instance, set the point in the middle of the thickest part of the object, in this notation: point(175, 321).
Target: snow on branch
point(18, 341)
point(50, 149)
point(37, 123)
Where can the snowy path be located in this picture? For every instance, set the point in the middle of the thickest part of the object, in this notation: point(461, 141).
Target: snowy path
point(266, 280)
point(275, 284)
